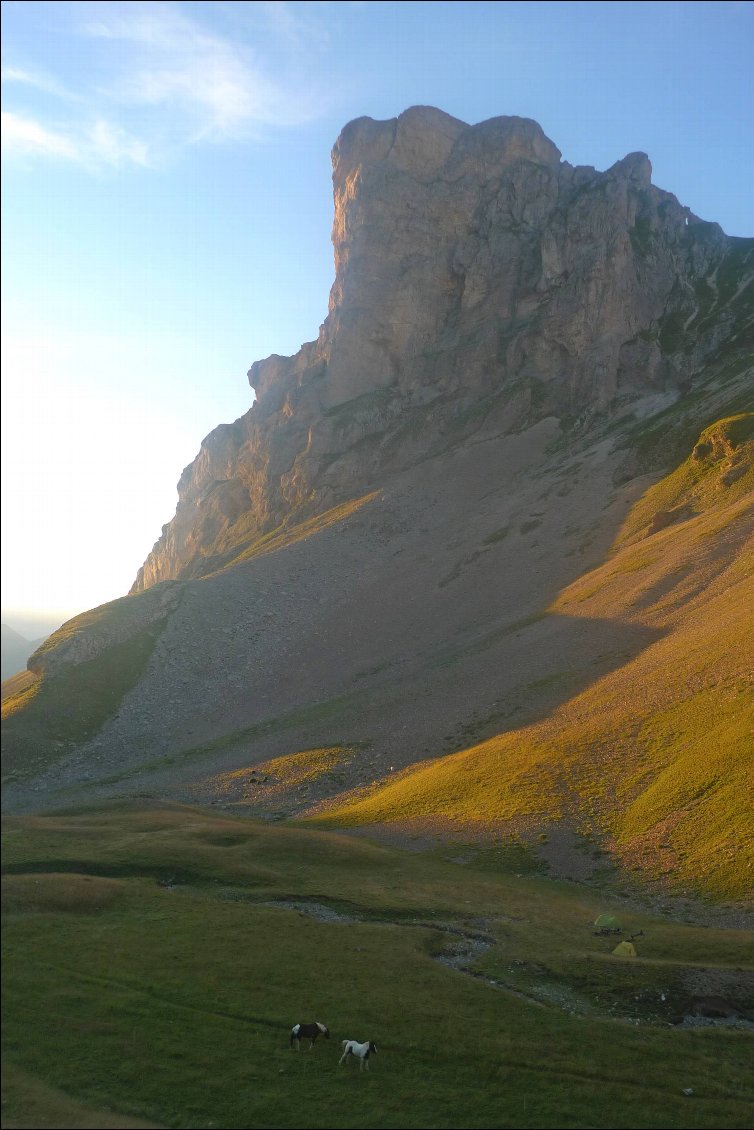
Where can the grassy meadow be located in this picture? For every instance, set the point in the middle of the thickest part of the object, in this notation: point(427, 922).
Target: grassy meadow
point(156, 959)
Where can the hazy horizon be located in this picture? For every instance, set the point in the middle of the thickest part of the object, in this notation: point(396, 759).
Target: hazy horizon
point(34, 625)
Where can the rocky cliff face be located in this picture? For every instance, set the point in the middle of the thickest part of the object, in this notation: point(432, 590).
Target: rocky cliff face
point(481, 282)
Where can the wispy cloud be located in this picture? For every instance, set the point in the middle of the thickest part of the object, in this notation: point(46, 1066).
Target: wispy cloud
point(219, 86)
point(97, 144)
point(154, 78)
point(297, 25)
point(25, 136)
point(36, 80)
point(110, 143)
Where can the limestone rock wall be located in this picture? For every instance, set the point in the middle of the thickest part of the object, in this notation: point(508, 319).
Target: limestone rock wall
point(479, 280)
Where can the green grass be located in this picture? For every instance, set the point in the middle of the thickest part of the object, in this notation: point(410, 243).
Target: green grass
point(267, 782)
point(699, 482)
point(71, 704)
point(30, 1104)
point(666, 438)
point(172, 1004)
point(283, 536)
point(108, 624)
point(18, 691)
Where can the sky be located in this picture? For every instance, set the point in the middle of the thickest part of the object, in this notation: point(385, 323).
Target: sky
point(167, 206)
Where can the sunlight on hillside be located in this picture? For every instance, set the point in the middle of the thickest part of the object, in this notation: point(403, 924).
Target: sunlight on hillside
point(18, 691)
point(718, 472)
point(268, 780)
point(653, 758)
point(284, 536)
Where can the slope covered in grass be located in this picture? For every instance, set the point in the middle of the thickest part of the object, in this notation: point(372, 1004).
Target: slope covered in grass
point(718, 472)
point(654, 757)
point(51, 713)
point(78, 678)
point(155, 961)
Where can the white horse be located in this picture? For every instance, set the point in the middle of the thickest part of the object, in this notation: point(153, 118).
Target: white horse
point(361, 1051)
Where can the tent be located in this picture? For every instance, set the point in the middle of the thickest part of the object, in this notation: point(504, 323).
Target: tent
point(607, 922)
point(625, 949)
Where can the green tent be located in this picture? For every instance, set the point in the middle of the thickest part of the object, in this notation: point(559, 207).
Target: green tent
point(607, 922)
point(625, 949)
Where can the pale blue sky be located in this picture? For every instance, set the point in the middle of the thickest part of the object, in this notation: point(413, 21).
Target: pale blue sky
point(167, 210)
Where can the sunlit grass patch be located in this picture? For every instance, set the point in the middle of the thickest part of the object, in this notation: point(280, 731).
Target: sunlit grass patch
point(719, 470)
point(284, 536)
point(487, 784)
point(307, 765)
point(59, 893)
point(700, 751)
point(635, 563)
point(18, 692)
point(285, 779)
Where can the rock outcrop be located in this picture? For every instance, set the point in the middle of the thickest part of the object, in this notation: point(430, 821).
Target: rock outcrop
point(481, 283)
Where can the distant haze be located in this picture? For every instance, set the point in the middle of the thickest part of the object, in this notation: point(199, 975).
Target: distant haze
point(16, 649)
point(33, 626)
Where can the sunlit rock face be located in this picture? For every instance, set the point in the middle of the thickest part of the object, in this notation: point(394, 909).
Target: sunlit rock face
point(481, 282)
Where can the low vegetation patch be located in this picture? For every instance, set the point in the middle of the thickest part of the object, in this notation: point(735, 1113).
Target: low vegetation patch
point(70, 705)
point(263, 785)
point(719, 470)
point(232, 544)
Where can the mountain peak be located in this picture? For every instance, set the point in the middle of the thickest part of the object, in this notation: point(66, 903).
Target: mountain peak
point(472, 266)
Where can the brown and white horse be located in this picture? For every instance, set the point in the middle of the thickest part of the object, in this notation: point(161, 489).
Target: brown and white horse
point(308, 1032)
point(360, 1051)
